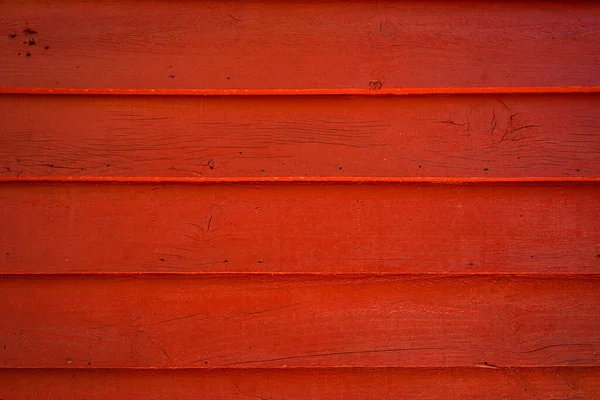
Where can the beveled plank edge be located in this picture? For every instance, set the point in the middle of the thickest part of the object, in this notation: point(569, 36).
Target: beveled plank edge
point(294, 179)
point(304, 92)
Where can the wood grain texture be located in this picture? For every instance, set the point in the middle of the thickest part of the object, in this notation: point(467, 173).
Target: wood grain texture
point(214, 137)
point(299, 321)
point(326, 384)
point(298, 44)
point(331, 228)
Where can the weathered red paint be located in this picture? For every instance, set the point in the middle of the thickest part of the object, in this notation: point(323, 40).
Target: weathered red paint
point(299, 200)
point(304, 384)
point(501, 136)
point(262, 44)
point(407, 228)
point(245, 321)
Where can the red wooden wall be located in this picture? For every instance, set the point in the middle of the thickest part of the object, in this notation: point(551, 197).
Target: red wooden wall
point(299, 199)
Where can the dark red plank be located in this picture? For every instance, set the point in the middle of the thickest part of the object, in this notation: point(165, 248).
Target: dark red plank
point(318, 321)
point(298, 44)
point(344, 384)
point(456, 136)
point(338, 228)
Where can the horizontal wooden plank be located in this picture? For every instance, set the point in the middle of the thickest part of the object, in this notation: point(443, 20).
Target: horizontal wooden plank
point(50, 228)
point(299, 321)
point(299, 44)
point(344, 384)
point(432, 136)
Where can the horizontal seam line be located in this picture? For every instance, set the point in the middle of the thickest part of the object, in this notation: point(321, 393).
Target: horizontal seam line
point(290, 179)
point(312, 274)
point(306, 92)
point(231, 369)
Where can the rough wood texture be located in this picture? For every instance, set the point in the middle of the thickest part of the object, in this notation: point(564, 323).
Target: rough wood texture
point(456, 136)
point(299, 321)
point(243, 241)
point(335, 228)
point(298, 44)
point(300, 384)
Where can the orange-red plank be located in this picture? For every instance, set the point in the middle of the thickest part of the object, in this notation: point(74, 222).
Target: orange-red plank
point(183, 137)
point(298, 44)
point(339, 228)
point(368, 228)
point(326, 384)
point(290, 321)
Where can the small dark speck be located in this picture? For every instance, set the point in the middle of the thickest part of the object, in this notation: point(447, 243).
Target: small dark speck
point(260, 261)
point(78, 66)
point(171, 76)
point(46, 47)
point(262, 170)
point(31, 42)
point(108, 165)
point(419, 166)
point(29, 31)
point(28, 54)
point(249, 348)
point(18, 160)
point(228, 77)
point(89, 363)
point(340, 168)
point(8, 254)
point(18, 53)
point(241, 152)
point(162, 260)
point(225, 260)
point(12, 35)
point(598, 256)
point(205, 362)
point(486, 169)
point(8, 169)
point(211, 164)
point(471, 264)
point(531, 256)
point(577, 169)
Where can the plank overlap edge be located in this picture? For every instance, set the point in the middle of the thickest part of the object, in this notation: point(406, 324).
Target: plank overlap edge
point(301, 179)
point(303, 92)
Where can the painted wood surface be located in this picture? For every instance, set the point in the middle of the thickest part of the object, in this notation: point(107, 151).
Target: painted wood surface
point(266, 136)
point(299, 321)
point(298, 44)
point(305, 384)
point(299, 228)
point(299, 200)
